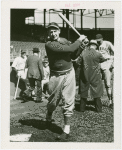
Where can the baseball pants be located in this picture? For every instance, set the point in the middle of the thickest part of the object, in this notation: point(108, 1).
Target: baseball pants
point(62, 88)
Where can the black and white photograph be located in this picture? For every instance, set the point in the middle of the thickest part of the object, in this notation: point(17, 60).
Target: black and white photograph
point(62, 74)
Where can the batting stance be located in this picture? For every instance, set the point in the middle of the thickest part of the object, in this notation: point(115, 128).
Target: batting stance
point(107, 50)
point(62, 80)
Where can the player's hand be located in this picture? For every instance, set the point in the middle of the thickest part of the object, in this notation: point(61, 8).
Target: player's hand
point(81, 38)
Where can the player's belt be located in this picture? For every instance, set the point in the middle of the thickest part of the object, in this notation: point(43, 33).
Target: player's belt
point(20, 70)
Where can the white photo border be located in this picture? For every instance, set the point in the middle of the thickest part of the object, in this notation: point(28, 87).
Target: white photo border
point(5, 74)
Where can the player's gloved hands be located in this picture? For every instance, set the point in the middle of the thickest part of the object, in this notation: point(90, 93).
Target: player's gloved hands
point(81, 38)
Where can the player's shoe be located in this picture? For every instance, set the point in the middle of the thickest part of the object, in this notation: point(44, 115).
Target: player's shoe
point(63, 137)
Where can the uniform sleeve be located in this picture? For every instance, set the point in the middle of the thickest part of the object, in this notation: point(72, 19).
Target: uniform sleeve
point(111, 48)
point(58, 47)
point(14, 65)
point(101, 58)
point(41, 68)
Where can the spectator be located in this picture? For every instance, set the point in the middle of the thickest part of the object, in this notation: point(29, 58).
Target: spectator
point(90, 76)
point(46, 69)
point(35, 74)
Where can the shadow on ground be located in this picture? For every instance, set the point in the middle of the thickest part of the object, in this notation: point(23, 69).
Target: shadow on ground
point(41, 125)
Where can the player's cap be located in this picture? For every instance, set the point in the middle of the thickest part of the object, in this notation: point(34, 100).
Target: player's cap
point(35, 50)
point(93, 42)
point(53, 24)
point(99, 36)
point(45, 59)
point(23, 51)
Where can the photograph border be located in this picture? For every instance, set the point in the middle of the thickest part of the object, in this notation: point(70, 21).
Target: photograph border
point(5, 78)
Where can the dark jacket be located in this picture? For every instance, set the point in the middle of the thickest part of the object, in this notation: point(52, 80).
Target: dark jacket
point(35, 67)
point(59, 54)
point(90, 75)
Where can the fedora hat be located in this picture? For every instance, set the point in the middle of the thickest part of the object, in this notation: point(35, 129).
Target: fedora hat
point(36, 50)
point(93, 42)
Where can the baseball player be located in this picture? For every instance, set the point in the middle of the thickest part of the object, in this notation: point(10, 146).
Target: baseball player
point(62, 76)
point(107, 50)
point(19, 67)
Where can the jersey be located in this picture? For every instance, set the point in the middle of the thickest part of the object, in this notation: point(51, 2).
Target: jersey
point(106, 49)
point(19, 63)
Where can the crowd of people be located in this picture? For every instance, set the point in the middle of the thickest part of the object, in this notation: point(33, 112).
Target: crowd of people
point(54, 76)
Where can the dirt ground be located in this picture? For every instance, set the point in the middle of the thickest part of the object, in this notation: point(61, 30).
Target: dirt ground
point(27, 117)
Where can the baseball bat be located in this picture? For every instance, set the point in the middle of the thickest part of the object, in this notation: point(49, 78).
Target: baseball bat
point(69, 23)
point(16, 88)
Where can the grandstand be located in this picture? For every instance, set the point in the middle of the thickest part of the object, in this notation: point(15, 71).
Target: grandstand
point(28, 46)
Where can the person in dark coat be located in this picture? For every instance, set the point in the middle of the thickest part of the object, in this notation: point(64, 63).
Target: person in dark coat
point(90, 76)
point(35, 73)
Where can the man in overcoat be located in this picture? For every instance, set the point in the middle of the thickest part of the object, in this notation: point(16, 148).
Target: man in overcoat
point(90, 76)
point(35, 73)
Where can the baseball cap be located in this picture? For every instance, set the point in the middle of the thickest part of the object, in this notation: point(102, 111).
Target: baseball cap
point(23, 51)
point(99, 36)
point(36, 50)
point(53, 24)
point(93, 42)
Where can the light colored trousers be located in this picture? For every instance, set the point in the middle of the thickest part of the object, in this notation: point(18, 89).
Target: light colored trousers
point(62, 88)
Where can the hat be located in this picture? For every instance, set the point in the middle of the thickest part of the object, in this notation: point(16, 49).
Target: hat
point(36, 50)
point(99, 36)
point(53, 24)
point(93, 42)
point(23, 51)
point(45, 59)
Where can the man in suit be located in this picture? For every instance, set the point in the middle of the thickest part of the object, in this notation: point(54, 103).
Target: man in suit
point(90, 76)
point(35, 73)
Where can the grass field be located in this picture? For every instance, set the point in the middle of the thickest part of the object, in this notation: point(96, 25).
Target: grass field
point(85, 127)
